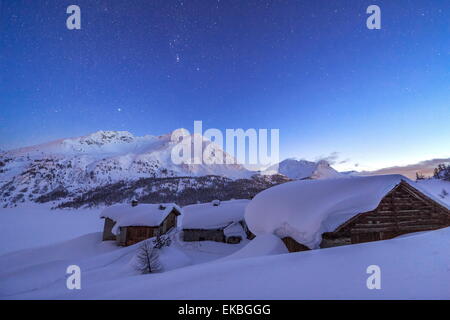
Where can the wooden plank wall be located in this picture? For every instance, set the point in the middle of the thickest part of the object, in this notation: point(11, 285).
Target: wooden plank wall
point(401, 211)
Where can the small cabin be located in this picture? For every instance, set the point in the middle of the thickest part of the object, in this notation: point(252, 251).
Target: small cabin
point(402, 210)
point(220, 221)
point(334, 212)
point(131, 223)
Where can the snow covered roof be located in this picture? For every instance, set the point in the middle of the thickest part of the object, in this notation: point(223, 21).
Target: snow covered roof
point(436, 187)
point(141, 215)
point(305, 209)
point(209, 216)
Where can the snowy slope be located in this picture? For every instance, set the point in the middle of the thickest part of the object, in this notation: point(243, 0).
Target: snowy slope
point(413, 267)
point(264, 245)
point(438, 188)
point(302, 169)
point(33, 225)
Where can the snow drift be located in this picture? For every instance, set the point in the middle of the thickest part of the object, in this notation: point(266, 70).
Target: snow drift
point(414, 267)
point(263, 245)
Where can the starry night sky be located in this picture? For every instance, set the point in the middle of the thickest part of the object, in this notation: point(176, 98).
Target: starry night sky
point(311, 68)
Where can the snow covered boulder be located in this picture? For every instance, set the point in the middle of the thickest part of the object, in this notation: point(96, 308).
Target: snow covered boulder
point(321, 213)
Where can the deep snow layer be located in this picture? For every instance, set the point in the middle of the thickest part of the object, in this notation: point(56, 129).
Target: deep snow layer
point(40, 273)
point(417, 267)
point(413, 267)
point(33, 225)
point(264, 245)
point(438, 188)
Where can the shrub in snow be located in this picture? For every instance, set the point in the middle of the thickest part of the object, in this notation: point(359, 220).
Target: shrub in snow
point(146, 259)
point(443, 194)
point(419, 176)
point(162, 241)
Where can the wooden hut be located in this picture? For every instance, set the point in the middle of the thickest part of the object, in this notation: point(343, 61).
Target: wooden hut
point(129, 224)
point(403, 210)
point(333, 212)
point(220, 221)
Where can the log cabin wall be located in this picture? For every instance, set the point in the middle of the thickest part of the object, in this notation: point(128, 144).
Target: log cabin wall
point(217, 235)
point(233, 239)
point(134, 234)
point(203, 235)
point(403, 210)
point(137, 234)
point(331, 239)
point(293, 246)
point(122, 236)
point(107, 230)
point(169, 222)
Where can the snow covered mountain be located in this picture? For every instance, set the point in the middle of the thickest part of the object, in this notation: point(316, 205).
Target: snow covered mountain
point(71, 167)
point(118, 154)
point(302, 169)
point(87, 170)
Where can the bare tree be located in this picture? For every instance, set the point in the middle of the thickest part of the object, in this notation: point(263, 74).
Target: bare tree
point(147, 258)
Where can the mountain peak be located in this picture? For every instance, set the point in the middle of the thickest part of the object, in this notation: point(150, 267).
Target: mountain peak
point(303, 169)
point(103, 137)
